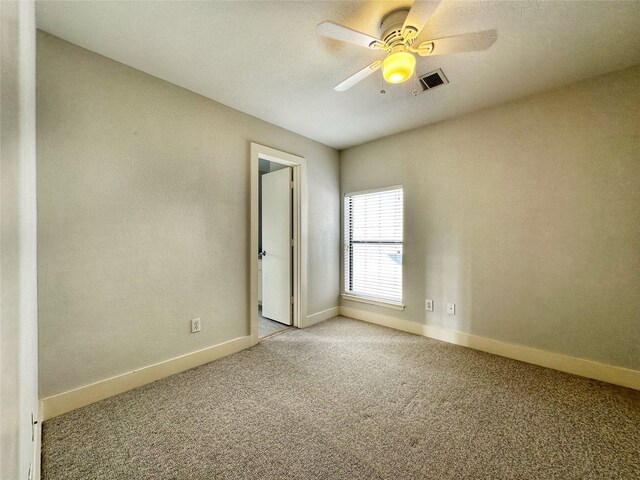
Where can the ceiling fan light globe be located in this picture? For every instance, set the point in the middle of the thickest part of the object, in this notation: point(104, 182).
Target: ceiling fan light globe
point(398, 67)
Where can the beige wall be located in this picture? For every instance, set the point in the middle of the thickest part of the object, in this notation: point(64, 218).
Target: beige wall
point(526, 215)
point(143, 216)
point(19, 452)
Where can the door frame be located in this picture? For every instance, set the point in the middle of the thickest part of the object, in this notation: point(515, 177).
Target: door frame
point(299, 229)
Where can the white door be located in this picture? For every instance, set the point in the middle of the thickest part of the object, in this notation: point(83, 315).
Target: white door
point(276, 245)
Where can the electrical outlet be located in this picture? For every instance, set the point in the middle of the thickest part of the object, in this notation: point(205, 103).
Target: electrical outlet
point(195, 325)
point(428, 305)
point(451, 308)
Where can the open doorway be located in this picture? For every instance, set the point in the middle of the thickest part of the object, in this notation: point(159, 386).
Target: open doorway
point(278, 241)
point(275, 248)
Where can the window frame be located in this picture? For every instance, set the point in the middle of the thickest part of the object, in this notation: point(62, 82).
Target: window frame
point(381, 302)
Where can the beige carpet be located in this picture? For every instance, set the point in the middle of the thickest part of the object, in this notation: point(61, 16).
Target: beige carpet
point(349, 400)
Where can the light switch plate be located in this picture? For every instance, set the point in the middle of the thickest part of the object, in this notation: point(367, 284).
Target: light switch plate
point(451, 308)
point(428, 305)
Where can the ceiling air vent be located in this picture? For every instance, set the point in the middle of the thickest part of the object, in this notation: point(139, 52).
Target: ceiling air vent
point(432, 79)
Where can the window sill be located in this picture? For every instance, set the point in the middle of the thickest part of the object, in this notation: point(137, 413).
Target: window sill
point(371, 301)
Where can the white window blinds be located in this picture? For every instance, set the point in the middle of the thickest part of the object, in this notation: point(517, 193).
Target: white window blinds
point(373, 244)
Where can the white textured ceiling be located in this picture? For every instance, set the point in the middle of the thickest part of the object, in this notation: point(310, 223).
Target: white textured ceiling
point(266, 59)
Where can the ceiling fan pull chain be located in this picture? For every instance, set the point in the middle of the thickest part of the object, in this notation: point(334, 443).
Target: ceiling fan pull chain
point(382, 90)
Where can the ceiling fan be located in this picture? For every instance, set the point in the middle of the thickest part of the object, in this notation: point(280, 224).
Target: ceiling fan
point(398, 32)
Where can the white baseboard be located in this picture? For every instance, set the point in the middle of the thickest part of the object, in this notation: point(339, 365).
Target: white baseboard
point(625, 377)
point(321, 316)
point(384, 320)
point(79, 397)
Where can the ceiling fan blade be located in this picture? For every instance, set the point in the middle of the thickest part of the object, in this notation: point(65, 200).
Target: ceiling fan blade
point(468, 42)
point(359, 76)
point(338, 32)
point(418, 17)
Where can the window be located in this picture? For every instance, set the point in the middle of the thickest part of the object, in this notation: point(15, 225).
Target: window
point(373, 244)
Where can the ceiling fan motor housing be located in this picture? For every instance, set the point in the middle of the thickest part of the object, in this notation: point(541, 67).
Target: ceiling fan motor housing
point(391, 30)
